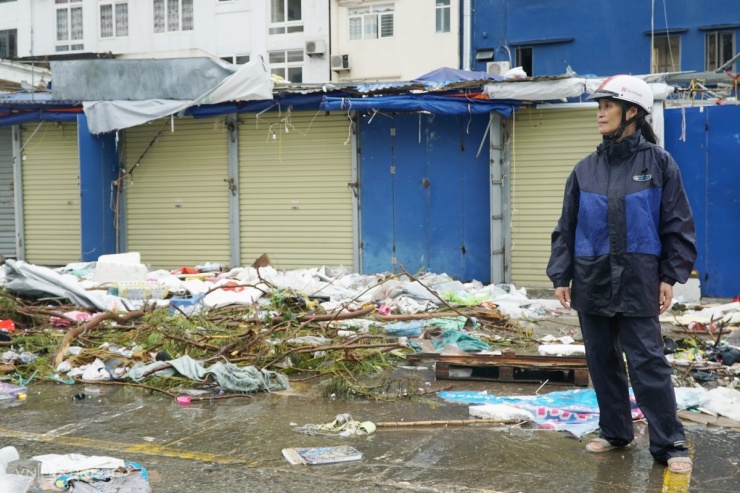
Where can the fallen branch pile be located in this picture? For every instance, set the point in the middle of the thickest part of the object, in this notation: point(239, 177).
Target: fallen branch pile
point(286, 335)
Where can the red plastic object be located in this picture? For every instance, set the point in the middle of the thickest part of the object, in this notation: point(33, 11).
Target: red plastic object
point(7, 325)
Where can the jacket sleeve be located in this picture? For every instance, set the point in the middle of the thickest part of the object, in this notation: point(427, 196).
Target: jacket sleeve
point(677, 232)
point(560, 266)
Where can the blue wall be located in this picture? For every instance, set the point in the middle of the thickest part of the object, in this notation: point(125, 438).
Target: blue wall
point(607, 37)
point(98, 169)
point(708, 158)
point(424, 195)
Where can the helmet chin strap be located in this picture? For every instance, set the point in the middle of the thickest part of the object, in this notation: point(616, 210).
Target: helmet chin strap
point(625, 123)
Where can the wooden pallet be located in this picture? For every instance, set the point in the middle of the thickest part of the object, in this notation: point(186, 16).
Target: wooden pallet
point(566, 370)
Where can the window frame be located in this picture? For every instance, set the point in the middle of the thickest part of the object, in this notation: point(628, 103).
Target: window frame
point(166, 21)
point(11, 43)
point(442, 14)
point(718, 58)
point(519, 59)
point(237, 59)
point(69, 43)
point(285, 26)
point(675, 65)
point(286, 64)
point(114, 10)
point(378, 16)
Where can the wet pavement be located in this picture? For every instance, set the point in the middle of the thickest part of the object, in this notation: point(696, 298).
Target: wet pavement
point(234, 445)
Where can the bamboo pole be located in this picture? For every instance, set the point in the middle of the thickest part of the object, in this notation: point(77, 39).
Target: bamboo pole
point(450, 422)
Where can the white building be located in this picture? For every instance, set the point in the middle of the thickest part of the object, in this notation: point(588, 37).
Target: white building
point(303, 40)
point(234, 30)
point(393, 40)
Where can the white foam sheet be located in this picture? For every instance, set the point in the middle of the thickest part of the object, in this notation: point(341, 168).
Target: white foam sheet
point(60, 464)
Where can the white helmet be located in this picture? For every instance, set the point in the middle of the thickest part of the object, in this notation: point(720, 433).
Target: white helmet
point(626, 88)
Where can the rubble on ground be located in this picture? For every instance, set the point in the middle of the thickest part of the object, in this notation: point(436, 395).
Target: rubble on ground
point(253, 328)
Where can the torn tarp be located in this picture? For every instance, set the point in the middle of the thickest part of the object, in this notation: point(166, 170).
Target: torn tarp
point(575, 411)
point(251, 82)
point(37, 281)
point(442, 105)
point(227, 375)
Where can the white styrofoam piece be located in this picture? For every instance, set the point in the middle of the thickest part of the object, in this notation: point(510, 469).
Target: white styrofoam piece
point(561, 349)
point(121, 258)
point(120, 272)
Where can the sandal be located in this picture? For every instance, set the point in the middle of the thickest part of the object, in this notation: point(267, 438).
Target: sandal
point(680, 460)
point(599, 445)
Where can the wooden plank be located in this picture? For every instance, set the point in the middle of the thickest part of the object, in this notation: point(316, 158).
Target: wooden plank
point(447, 371)
point(520, 361)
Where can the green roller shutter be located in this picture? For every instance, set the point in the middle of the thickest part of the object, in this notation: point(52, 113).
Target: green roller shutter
point(296, 205)
point(547, 144)
point(51, 193)
point(177, 211)
point(7, 195)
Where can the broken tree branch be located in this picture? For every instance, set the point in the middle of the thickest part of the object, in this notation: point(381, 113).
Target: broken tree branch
point(89, 325)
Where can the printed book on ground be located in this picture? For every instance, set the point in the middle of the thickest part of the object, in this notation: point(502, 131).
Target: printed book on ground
point(321, 455)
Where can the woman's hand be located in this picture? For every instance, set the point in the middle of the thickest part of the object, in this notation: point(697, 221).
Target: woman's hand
point(665, 297)
point(563, 295)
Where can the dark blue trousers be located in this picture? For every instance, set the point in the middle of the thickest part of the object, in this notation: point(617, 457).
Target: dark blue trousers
point(639, 338)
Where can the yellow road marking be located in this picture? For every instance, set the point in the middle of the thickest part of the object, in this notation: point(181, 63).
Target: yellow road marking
point(674, 482)
point(108, 445)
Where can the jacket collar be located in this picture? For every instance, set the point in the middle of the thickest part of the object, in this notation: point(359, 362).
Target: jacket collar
point(625, 147)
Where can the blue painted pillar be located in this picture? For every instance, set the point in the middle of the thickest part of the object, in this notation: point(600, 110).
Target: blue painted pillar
point(98, 169)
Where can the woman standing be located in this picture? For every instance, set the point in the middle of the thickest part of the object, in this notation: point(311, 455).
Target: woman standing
point(625, 237)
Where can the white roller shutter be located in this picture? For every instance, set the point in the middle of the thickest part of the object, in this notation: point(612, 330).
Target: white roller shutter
point(7, 195)
point(296, 205)
point(51, 193)
point(547, 144)
point(177, 211)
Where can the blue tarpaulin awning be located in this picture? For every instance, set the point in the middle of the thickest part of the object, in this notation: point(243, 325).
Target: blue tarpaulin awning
point(444, 105)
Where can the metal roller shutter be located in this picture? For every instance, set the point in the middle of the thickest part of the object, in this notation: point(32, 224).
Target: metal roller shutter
point(51, 193)
point(547, 144)
point(7, 195)
point(295, 203)
point(177, 211)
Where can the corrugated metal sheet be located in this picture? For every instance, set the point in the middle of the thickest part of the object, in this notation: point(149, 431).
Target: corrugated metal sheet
point(704, 141)
point(295, 204)
point(7, 195)
point(425, 195)
point(177, 201)
point(51, 194)
point(547, 144)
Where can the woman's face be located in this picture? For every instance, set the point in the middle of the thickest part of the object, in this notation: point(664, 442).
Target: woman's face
point(609, 116)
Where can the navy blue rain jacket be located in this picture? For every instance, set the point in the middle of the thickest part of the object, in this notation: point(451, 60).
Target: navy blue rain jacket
point(626, 226)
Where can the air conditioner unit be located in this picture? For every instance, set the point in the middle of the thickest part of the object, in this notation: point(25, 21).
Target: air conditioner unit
point(317, 47)
point(340, 62)
point(498, 68)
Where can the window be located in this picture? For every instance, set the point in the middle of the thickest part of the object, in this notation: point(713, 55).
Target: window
point(371, 21)
point(173, 15)
point(285, 16)
point(236, 59)
point(8, 47)
point(442, 16)
point(287, 64)
point(113, 19)
point(524, 59)
point(666, 54)
point(69, 25)
point(720, 48)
